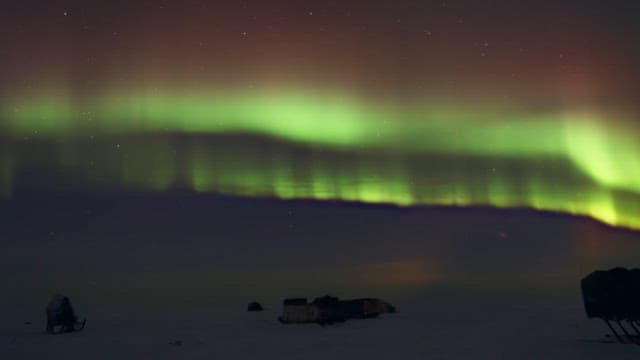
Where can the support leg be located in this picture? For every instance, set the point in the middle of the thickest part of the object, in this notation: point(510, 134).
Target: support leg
point(615, 333)
point(636, 337)
point(624, 330)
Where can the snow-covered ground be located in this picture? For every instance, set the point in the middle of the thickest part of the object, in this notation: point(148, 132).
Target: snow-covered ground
point(462, 328)
point(149, 270)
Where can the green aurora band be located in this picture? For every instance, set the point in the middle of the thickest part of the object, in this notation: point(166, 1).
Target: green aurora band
point(579, 161)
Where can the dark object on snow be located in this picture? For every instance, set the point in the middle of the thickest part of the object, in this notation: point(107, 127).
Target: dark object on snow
point(297, 310)
point(388, 308)
point(327, 310)
point(614, 295)
point(330, 310)
point(60, 316)
point(254, 306)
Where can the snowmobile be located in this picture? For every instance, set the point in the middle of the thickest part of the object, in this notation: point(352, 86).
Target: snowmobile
point(60, 316)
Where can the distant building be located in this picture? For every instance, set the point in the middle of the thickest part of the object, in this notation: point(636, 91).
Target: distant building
point(299, 311)
point(365, 308)
point(328, 310)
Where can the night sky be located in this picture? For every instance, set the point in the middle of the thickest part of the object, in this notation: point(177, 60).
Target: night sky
point(454, 103)
point(496, 103)
point(446, 103)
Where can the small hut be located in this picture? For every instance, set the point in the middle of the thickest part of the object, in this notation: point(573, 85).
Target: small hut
point(328, 310)
point(362, 308)
point(299, 311)
point(372, 307)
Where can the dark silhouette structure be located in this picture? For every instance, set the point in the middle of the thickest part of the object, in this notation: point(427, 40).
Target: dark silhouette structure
point(614, 296)
point(61, 317)
point(327, 310)
point(388, 308)
point(254, 306)
point(298, 310)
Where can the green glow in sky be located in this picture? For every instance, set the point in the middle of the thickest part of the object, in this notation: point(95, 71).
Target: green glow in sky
point(578, 161)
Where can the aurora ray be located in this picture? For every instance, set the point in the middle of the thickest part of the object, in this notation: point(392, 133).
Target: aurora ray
point(577, 161)
point(406, 104)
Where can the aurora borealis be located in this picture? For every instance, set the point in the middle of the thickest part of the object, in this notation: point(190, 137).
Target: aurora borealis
point(165, 163)
point(423, 104)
